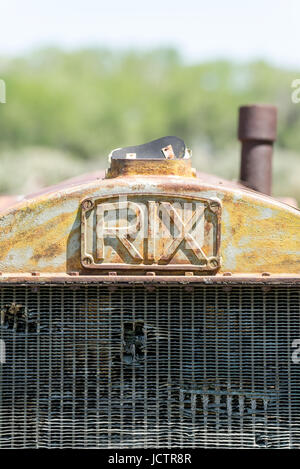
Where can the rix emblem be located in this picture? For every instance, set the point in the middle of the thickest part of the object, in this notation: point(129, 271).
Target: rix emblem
point(151, 232)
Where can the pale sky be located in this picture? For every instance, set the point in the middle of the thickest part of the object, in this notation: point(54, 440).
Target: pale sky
point(201, 29)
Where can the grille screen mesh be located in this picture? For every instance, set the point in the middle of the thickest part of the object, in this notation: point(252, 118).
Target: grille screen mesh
point(90, 367)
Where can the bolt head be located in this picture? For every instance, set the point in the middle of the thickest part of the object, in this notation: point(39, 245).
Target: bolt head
point(87, 261)
point(87, 204)
point(214, 207)
point(213, 263)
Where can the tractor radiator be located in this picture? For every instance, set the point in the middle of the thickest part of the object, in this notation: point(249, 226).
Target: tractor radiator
point(135, 367)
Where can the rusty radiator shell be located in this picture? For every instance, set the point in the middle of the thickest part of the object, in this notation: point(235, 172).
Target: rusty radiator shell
point(41, 233)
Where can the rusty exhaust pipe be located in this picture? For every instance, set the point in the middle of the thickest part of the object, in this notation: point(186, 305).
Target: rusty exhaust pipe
point(257, 133)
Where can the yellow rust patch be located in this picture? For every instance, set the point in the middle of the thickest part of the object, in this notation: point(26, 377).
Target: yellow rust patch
point(126, 167)
point(46, 240)
point(260, 237)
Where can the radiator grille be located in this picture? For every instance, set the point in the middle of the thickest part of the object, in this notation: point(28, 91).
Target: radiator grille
point(132, 368)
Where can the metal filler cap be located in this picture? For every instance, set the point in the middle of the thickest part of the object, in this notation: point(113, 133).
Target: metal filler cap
point(164, 156)
point(169, 148)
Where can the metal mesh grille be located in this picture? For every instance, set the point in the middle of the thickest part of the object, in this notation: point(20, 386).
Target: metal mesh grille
point(90, 367)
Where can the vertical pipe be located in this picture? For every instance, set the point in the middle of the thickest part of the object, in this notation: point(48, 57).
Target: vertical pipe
point(257, 133)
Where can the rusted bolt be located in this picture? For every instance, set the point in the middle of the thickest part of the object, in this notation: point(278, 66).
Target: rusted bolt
point(35, 274)
point(87, 261)
point(87, 204)
point(265, 274)
point(213, 263)
point(213, 207)
point(74, 274)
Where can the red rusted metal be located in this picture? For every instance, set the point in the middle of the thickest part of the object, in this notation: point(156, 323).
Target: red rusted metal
point(257, 132)
point(8, 201)
point(119, 280)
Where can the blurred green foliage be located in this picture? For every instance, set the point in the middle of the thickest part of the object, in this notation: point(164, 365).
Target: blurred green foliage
point(83, 104)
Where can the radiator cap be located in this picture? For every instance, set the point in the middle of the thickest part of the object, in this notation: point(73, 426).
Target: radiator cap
point(169, 148)
point(164, 156)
